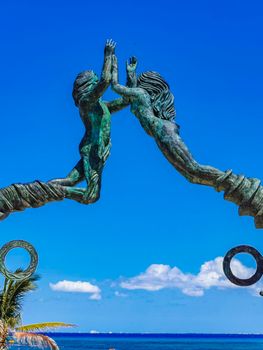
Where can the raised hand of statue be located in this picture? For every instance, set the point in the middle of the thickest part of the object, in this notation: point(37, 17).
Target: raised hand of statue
point(109, 50)
point(131, 64)
point(109, 47)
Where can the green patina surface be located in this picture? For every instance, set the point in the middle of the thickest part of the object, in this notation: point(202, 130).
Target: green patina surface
point(95, 145)
point(20, 275)
point(152, 103)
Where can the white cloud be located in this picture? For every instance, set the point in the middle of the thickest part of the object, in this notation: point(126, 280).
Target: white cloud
point(77, 287)
point(158, 276)
point(95, 296)
point(119, 294)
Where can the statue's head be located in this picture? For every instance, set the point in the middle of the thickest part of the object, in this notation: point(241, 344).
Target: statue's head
point(161, 97)
point(83, 85)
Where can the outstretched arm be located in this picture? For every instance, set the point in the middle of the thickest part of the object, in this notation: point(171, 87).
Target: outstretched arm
point(131, 66)
point(117, 105)
point(120, 103)
point(105, 79)
point(122, 90)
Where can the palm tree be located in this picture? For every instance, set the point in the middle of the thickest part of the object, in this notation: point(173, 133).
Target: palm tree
point(11, 298)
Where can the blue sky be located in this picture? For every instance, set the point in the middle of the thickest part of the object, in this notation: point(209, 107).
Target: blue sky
point(211, 54)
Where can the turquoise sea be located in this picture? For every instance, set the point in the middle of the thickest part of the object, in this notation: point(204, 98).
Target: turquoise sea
point(157, 342)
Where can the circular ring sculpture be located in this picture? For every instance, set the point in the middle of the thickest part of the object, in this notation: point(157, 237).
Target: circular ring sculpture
point(239, 281)
point(33, 260)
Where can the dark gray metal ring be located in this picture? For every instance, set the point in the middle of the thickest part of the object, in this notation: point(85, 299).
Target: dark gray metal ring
point(248, 250)
point(33, 260)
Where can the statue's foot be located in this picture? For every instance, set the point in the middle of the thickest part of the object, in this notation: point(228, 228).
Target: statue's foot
point(83, 195)
point(92, 194)
point(89, 199)
point(75, 193)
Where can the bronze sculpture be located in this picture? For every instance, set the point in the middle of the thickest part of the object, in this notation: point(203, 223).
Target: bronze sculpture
point(94, 148)
point(152, 103)
point(95, 145)
point(18, 275)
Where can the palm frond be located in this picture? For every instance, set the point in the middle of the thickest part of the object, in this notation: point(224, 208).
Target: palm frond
point(39, 340)
point(12, 322)
point(43, 326)
point(11, 298)
point(2, 326)
point(3, 334)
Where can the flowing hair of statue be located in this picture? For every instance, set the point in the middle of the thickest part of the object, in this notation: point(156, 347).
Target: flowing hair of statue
point(161, 97)
point(83, 85)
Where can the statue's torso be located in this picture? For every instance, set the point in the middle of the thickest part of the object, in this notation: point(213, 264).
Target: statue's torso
point(164, 132)
point(97, 121)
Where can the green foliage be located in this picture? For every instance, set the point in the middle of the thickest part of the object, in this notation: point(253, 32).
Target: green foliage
point(11, 299)
point(42, 326)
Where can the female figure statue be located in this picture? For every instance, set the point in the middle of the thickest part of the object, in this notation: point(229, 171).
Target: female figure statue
point(153, 104)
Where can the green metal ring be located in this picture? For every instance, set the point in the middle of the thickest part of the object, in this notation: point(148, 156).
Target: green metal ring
point(33, 260)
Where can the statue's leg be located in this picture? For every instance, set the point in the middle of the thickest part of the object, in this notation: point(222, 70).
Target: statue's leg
point(244, 191)
point(88, 195)
point(93, 166)
point(74, 193)
point(180, 156)
point(92, 194)
point(91, 171)
point(74, 177)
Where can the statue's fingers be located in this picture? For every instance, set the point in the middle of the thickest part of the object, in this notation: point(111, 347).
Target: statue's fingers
point(113, 44)
point(109, 42)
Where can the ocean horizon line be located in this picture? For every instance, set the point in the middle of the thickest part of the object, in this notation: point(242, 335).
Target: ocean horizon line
point(96, 334)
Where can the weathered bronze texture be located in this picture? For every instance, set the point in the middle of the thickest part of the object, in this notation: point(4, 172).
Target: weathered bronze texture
point(95, 145)
point(21, 275)
point(18, 197)
point(153, 104)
